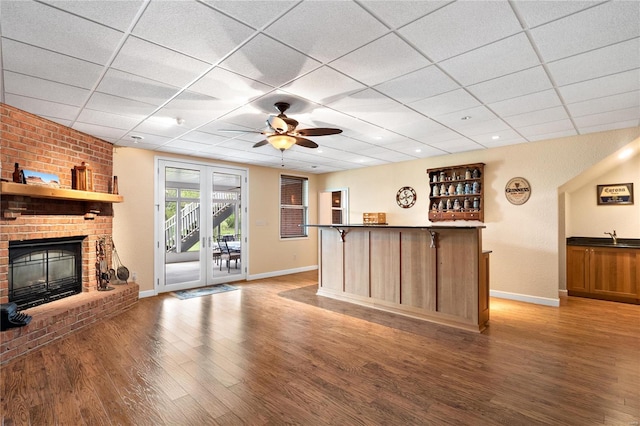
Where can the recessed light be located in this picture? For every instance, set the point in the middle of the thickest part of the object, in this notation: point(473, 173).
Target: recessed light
point(466, 117)
point(136, 138)
point(180, 121)
point(418, 150)
point(377, 137)
point(495, 137)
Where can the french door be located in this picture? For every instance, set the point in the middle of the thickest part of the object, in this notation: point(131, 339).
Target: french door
point(200, 225)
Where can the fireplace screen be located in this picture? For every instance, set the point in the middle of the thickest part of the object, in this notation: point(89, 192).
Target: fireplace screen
point(41, 271)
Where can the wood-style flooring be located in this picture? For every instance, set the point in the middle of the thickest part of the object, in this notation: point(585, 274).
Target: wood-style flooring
point(274, 353)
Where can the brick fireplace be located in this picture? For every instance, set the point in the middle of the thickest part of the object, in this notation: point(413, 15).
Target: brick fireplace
point(45, 146)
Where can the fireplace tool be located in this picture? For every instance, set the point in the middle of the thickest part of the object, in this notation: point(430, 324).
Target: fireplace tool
point(102, 267)
point(122, 272)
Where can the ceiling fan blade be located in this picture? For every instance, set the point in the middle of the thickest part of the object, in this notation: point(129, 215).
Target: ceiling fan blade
point(306, 143)
point(319, 131)
point(239, 131)
point(261, 143)
point(277, 124)
point(291, 123)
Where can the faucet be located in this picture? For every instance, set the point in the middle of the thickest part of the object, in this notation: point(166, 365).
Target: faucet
point(614, 236)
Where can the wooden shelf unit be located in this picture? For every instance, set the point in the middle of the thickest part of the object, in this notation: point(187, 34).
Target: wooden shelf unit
point(456, 175)
point(34, 191)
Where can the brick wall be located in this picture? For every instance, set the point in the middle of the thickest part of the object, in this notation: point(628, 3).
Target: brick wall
point(45, 146)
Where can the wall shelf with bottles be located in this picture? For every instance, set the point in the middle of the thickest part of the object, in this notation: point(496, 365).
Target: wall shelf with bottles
point(456, 193)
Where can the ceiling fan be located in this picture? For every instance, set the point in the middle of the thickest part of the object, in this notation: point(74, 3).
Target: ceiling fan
point(282, 133)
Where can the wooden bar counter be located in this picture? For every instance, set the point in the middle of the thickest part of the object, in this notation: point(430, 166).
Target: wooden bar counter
point(438, 274)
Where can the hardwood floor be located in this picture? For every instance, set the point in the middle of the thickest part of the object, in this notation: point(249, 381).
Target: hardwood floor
point(275, 353)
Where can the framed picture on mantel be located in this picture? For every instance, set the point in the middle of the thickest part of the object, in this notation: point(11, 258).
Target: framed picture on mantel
point(615, 194)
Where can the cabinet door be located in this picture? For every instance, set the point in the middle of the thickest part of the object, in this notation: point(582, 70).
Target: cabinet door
point(577, 268)
point(614, 272)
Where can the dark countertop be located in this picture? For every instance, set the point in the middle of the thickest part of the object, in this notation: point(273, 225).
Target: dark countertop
point(366, 225)
point(604, 242)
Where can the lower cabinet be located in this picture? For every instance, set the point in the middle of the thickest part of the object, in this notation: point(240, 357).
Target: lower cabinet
point(604, 273)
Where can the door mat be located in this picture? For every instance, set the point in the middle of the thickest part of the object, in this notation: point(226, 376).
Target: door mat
point(203, 291)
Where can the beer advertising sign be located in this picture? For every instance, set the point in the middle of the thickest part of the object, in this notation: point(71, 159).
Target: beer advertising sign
point(615, 194)
point(517, 191)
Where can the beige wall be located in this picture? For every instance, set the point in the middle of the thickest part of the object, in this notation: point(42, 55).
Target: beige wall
point(133, 228)
point(525, 240)
point(586, 218)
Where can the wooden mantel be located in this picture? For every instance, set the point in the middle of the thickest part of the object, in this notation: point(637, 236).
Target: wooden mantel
point(438, 274)
point(35, 191)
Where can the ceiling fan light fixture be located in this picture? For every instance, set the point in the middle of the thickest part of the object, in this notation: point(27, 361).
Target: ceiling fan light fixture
point(281, 142)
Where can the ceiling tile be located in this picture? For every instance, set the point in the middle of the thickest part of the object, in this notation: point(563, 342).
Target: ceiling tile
point(626, 114)
point(29, 60)
point(446, 103)
point(108, 103)
point(157, 63)
point(47, 27)
point(107, 119)
point(537, 117)
point(165, 22)
point(412, 124)
point(628, 81)
point(245, 11)
point(102, 11)
point(323, 85)
point(367, 105)
point(501, 138)
point(610, 126)
point(495, 60)
point(535, 15)
point(475, 114)
point(526, 103)
point(335, 28)
point(597, 63)
point(552, 135)
point(194, 108)
point(228, 86)
point(617, 21)
point(487, 126)
point(24, 85)
point(564, 127)
point(513, 85)
point(42, 107)
point(102, 132)
point(149, 139)
point(421, 84)
point(255, 60)
point(460, 27)
point(125, 85)
point(185, 145)
point(395, 17)
point(204, 138)
point(460, 144)
point(606, 104)
point(383, 59)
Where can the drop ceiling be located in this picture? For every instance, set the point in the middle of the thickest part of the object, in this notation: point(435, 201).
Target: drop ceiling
point(403, 79)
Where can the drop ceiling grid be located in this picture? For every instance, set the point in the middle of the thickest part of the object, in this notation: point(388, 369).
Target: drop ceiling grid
point(409, 74)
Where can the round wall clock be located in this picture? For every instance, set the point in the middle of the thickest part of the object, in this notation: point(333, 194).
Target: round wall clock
point(517, 191)
point(406, 197)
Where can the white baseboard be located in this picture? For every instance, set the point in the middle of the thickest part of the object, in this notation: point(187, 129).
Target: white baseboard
point(283, 272)
point(525, 298)
point(563, 293)
point(146, 293)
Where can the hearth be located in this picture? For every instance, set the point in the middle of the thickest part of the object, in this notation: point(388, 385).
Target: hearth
point(44, 270)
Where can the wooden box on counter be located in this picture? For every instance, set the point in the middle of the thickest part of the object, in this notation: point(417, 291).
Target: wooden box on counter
point(374, 218)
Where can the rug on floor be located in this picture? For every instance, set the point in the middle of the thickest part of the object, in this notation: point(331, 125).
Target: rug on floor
point(203, 291)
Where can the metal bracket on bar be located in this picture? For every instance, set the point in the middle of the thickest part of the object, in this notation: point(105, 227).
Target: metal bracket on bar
point(433, 238)
point(343, 232)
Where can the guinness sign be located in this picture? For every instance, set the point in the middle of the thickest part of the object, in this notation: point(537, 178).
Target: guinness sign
point(517, 191)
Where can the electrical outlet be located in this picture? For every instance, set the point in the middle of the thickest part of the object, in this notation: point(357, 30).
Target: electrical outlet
point(134, 276)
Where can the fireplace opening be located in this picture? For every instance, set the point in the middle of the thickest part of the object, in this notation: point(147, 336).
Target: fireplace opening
point(44, 270)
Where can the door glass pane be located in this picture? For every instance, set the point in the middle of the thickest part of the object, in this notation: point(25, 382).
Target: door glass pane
point(182, 226)
point(226, 224)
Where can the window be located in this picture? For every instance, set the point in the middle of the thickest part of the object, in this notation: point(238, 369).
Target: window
point(293, 206)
